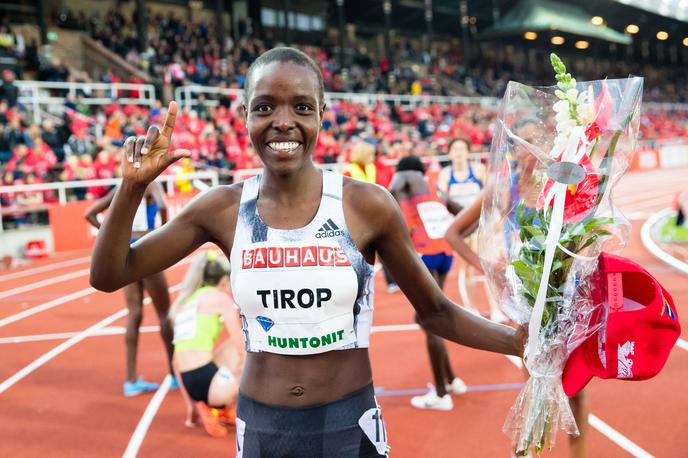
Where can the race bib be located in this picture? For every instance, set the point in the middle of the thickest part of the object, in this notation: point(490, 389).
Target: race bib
point(435, 217)
point(373, 426)
point(185, 325)
point(296, 299)
point(240, 431)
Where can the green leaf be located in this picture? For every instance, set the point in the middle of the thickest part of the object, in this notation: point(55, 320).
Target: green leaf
point(594, 223)
point(590, 240)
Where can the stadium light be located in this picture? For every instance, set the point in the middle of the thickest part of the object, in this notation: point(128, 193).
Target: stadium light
point(662, 35)
point(597, 20)
point(582, 44)
point(557, 40)
point(632, 29)
point(530, 36)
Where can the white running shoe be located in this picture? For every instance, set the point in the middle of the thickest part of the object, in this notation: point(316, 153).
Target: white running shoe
point(431, 400)
point(457, 386)
point(393, 288)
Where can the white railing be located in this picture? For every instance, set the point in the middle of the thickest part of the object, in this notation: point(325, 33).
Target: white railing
point(37, 94)
point(62, 186)
point(187, 96)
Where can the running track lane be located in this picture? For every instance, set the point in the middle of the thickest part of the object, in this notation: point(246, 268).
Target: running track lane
point(81, 389)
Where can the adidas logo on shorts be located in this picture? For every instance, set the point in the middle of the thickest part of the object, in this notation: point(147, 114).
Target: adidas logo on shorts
point(329, 229)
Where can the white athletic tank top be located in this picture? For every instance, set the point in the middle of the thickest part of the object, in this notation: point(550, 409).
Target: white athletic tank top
point(140, 223)
point(301, 291)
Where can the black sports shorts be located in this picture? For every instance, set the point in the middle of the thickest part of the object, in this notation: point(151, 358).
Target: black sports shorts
point(350, 427)
point(197, 381)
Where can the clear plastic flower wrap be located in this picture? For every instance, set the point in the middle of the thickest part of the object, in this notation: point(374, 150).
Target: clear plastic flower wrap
point(547, 213)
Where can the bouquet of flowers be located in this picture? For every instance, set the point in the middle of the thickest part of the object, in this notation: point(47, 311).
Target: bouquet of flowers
point(555, 156)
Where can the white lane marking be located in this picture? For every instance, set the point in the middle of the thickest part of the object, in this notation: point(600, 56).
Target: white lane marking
point(109, 331)
point(119, 330)
point(46, 268)
point(146, 419)
point(394, 327)
point(618, 438)
point(48, 305)
point(62, 300)
point(463, 291)
point(515, 360)
point(652, 247)
point(682, 344)
point(8, 383)
point(637, 216)
point(606, 430)
point(40, 284)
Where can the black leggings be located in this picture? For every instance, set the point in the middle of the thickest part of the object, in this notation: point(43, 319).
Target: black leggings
point(351, 427)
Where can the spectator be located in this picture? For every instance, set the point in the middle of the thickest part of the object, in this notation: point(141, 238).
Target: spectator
point(9, 91)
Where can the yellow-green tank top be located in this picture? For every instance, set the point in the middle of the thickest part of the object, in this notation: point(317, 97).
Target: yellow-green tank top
point(208, 327)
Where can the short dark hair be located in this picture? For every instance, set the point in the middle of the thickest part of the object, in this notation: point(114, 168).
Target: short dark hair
point(465, 141)
point(282, 55)
point(411, 163)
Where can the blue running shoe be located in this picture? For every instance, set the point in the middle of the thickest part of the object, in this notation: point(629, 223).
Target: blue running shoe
point(140, 386)
point(174, 384)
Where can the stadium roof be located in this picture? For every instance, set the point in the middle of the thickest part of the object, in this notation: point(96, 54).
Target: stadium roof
point(545, 15)
point(675, 9)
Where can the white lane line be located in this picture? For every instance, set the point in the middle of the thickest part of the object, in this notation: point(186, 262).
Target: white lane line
point(46, 268)
point(8, 383)
point(637, 198)
point(119, 330)
point(652, 247)
point(48, 305)
point(682, 344)
point(463, 291)
point(609, 432)
point(637, 216)
point(109, 331)
point(54, 303)
point(147, 418)
point(40, 284)
point(618, 438)
point(4, 386)
point(394, 328)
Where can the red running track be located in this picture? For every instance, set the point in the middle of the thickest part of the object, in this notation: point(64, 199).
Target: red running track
point(69, 402)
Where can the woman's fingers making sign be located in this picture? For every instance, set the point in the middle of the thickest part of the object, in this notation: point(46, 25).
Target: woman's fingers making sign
point(147, 157)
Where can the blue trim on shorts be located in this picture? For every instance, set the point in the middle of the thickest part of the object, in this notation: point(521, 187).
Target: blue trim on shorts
point(441, 262)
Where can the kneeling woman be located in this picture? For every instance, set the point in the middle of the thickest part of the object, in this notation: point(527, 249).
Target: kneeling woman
point(209, 372)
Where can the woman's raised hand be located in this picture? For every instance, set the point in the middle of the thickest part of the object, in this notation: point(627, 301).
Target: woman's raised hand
point(147, 157)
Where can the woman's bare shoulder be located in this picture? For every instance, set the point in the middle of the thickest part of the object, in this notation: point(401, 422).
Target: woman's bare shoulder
point(370, 202)
point(218, 199)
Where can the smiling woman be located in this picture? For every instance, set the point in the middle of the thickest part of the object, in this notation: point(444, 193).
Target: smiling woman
point(301, 242)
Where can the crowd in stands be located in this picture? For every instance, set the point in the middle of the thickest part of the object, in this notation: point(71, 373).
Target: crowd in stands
point(85, 143)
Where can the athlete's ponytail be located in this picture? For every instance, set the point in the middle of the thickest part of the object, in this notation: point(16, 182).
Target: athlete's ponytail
point(207, 268)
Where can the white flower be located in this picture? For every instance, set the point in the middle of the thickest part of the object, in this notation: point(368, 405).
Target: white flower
point(572, 94)
point(562, 105)
point(586, 107)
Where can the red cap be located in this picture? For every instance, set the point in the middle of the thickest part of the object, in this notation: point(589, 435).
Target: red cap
point(642, 327)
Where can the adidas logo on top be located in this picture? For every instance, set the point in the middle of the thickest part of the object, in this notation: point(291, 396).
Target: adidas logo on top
point(329, 229)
